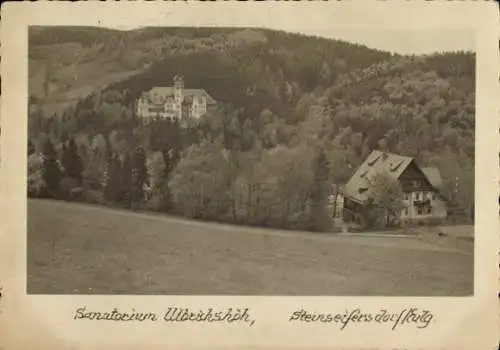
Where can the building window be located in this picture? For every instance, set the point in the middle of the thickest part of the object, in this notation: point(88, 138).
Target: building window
point(417, 183)
point(420, 211)
point(428, 210)
point(406, 196)
point(417, 196)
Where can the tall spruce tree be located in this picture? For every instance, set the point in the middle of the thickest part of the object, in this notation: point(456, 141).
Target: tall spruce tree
point(319, 218)
point(112, 182)
point(139, 176)
point(71, 161)
point(31, 148)
point(51, 170)
point(126, 181)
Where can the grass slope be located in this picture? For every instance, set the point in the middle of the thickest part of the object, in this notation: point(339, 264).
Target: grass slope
point(92, 250)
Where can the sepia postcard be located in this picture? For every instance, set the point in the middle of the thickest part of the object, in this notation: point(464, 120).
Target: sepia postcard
point(268, 175)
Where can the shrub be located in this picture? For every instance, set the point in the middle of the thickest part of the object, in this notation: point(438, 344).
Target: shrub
point(69, 187)
point(298, 220)
point(93, 197)
point(432, 221)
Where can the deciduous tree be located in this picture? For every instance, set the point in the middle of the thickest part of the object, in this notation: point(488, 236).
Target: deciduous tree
point(320, 219)
point(386, 200)
point(71, 162)
point(112, 179)
point(51, 170)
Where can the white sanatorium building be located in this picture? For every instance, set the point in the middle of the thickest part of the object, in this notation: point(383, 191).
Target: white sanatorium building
point(174, 102)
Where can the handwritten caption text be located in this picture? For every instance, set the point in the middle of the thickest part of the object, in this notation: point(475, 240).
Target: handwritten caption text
point(410, 316)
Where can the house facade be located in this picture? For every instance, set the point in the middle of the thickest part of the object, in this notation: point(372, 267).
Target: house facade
point(174, 102)
point(421, 187)
point(336, 199)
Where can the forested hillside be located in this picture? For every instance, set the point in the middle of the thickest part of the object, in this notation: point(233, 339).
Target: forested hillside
point(295, 115)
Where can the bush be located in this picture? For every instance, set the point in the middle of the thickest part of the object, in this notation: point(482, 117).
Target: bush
point(93, 197)
point(423, 222)
point(298, 221)
point(68, 188)
point(76, 194)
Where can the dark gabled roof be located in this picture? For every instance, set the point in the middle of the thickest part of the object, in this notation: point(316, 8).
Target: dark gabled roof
point(190, 93)
point(377, 162)
point(161, 91)
point(159, 94)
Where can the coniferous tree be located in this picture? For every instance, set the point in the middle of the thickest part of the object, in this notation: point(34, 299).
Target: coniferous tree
point(35, 181)
point(51, 170)
point(112, 182)
point(139, 176)
point(319, 218)
point(71, 161)
point(170, 159)
point(126, 180)
point(157, 181)
point(31, 148)
point(176, 134)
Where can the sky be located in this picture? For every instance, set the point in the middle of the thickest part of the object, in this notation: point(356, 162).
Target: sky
point(409, 41)
point(404, 27)
point(410, 27)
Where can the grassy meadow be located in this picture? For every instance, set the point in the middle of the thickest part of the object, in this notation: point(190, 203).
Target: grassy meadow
point(84, 249)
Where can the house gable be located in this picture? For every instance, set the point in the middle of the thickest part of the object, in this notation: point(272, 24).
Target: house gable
point(421, 186)
point(414, 179)
point(434, 177)
point(358, 186)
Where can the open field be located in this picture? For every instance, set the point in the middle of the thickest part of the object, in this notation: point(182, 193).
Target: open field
point(84, 249)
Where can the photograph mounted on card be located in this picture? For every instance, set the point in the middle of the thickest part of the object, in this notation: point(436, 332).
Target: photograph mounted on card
point(249, 161)
point(251, 176)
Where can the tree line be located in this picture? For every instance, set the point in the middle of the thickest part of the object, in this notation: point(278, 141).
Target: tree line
point(207, 180)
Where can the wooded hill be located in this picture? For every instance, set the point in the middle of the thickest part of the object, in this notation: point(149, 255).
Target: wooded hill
point(296, 114)
point(71, 62)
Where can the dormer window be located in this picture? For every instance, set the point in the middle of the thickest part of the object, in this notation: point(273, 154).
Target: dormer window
point(363, 189)
point(396, 167)
point(374, 161)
